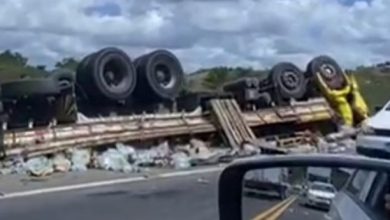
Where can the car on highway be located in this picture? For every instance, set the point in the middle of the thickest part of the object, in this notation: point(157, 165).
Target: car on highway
point(374, 138)
point(267, 181)
point(363, 196)
point(318, 194)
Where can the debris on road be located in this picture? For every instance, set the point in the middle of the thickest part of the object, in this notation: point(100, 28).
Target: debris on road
point(61, 163)
point(180, 160)
point(39, 166)
point(115, 160)
point(127, 158)
point(80, 159)
point(203, 180)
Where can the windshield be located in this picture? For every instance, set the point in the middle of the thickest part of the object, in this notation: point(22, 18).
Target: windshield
point(324, 188)
point(388, 106)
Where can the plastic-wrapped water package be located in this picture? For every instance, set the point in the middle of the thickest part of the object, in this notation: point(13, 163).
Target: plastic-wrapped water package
point(39, 166)
point(19, 166)
point(125, 149)
point(155, 156)
point(162, 150)
point(15, 165)
point(61, 163)
point(144, 157)
point(80, 159)
point(114, 160)
point(180, 160)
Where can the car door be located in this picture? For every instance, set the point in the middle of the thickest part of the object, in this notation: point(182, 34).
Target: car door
point(361, 198)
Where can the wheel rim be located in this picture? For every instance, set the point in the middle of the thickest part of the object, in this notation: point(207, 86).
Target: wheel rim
point(64, 83)
point(290, 80)
point(328, 71)
point(115, 75)
point(164, 76)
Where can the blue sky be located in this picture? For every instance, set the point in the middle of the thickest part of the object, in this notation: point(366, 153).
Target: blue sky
point(202, 33)
point(104, 9)
point(350, 2)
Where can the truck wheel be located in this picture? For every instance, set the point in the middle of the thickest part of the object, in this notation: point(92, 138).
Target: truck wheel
point(289, 81)
point(159, 73)
point(65, 78)
point(109, 74)
point(84, 63)
point(328, 69)
point(29, 87)
point(66, 108)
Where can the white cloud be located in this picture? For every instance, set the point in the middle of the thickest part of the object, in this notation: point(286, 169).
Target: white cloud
point(202, 33)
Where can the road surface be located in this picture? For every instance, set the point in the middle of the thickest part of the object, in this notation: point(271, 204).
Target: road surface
point(256, 207)
point(192, 197)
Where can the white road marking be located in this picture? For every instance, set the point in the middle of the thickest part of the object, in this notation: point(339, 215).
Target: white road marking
point(106, 183)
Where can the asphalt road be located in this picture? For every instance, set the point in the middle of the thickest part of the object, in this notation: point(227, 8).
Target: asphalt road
point(187, 197)
point(255, 206)
point(191, 197)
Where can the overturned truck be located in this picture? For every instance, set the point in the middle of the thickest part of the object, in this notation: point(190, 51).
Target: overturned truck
point(136, 100)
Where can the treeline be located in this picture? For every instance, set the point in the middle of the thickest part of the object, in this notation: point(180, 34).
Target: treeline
point(14, 65)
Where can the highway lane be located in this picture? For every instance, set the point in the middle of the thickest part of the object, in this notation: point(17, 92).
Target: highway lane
point(256, 206)
point(191, 197)
point(187, 197)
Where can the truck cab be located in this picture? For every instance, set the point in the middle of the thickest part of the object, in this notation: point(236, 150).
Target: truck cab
point(274, 180)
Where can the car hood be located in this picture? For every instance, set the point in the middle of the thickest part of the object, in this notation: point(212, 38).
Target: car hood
point(380, 120)
point(322, 194)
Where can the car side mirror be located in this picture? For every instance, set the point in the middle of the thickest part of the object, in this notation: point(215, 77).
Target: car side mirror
point(249, 189)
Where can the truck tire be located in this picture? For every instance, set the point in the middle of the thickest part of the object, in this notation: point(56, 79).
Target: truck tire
point(29, 87)
point(288, 80)
point(328, 69)
point(65, 78)
point(160, 74)
point(108, 74)
point(66, 107)
point(84, 62)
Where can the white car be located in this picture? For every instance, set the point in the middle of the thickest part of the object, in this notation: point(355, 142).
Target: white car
point(318, 194)
point(374, 139)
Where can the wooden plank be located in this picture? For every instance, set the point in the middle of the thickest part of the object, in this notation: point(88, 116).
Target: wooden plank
point(222, 122)
point(153, 126)
point(247, 129)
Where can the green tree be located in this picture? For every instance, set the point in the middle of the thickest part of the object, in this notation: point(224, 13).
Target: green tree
point(240, 72)
point(67, 63)
point(15, 59)
point(216, 77)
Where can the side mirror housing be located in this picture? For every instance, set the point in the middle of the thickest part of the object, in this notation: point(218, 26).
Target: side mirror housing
point(231, 180)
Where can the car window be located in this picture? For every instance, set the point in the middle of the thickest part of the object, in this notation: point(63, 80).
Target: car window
point(360, 184)
point(367, 188)
point(375, 199)
point(387, 108)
